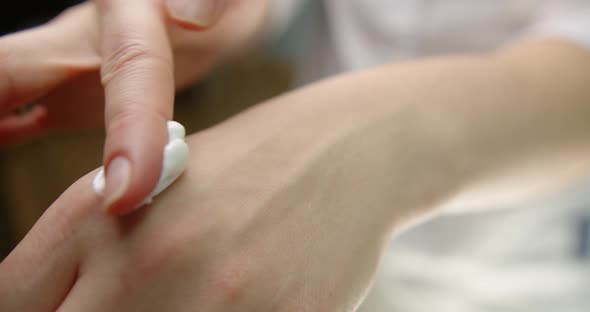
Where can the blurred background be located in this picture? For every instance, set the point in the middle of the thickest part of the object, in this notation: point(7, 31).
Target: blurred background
point(34, 174)
point(27, 13)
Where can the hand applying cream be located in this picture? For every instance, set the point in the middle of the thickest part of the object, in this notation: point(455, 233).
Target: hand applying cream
point(174, 163)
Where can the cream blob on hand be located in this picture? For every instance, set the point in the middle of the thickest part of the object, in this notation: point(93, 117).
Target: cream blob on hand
point(173, 163)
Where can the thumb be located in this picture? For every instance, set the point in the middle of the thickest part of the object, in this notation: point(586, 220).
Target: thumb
point(195, 14)
point(39, 272)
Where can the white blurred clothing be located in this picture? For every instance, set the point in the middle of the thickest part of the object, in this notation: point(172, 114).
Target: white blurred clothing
point(354, 34)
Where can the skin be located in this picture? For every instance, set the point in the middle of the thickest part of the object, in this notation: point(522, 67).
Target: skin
point(287, 206)
point(122, 60)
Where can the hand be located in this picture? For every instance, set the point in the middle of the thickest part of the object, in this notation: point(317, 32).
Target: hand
point(287, 206)
point(130, 54)
point(269, 216)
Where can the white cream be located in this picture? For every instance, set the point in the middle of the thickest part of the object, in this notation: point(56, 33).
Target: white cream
point(173, 163)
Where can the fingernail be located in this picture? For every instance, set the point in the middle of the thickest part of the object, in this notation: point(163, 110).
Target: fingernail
point(117, 180)
point(201, 13)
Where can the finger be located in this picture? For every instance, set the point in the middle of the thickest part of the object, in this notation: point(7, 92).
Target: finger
point(39, 272)
point(107, 286)
point(93, 293)
point(137, 73)
point(34, 62)
point(195, 14)
point(16, 128)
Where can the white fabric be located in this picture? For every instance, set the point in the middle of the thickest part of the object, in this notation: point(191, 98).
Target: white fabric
point(528, 259)
point(358, 34)
point(509, 260)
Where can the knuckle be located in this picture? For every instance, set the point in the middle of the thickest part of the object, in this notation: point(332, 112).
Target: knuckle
point(170, 248)
point(151, 258)
point(231, 283)
point(131, 56)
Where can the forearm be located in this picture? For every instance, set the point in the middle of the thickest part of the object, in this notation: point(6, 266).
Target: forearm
point(485, 130)
point(509, 125)
point(382, 147)
point(515, 121)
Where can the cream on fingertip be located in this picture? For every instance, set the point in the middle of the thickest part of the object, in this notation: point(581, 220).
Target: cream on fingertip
point(175, 158)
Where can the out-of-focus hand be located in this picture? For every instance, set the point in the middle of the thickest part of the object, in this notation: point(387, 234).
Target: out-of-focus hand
point(117, 61)
point(285, 207)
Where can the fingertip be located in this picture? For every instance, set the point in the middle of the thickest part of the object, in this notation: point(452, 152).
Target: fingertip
point(133, 163)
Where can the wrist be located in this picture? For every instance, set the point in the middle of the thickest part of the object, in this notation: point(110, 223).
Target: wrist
point(396, 165)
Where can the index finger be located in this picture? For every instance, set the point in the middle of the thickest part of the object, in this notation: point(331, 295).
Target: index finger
point(137, 74)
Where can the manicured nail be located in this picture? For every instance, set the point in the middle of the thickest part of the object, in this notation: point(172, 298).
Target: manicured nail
point(200, 13)
point(118, 175)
